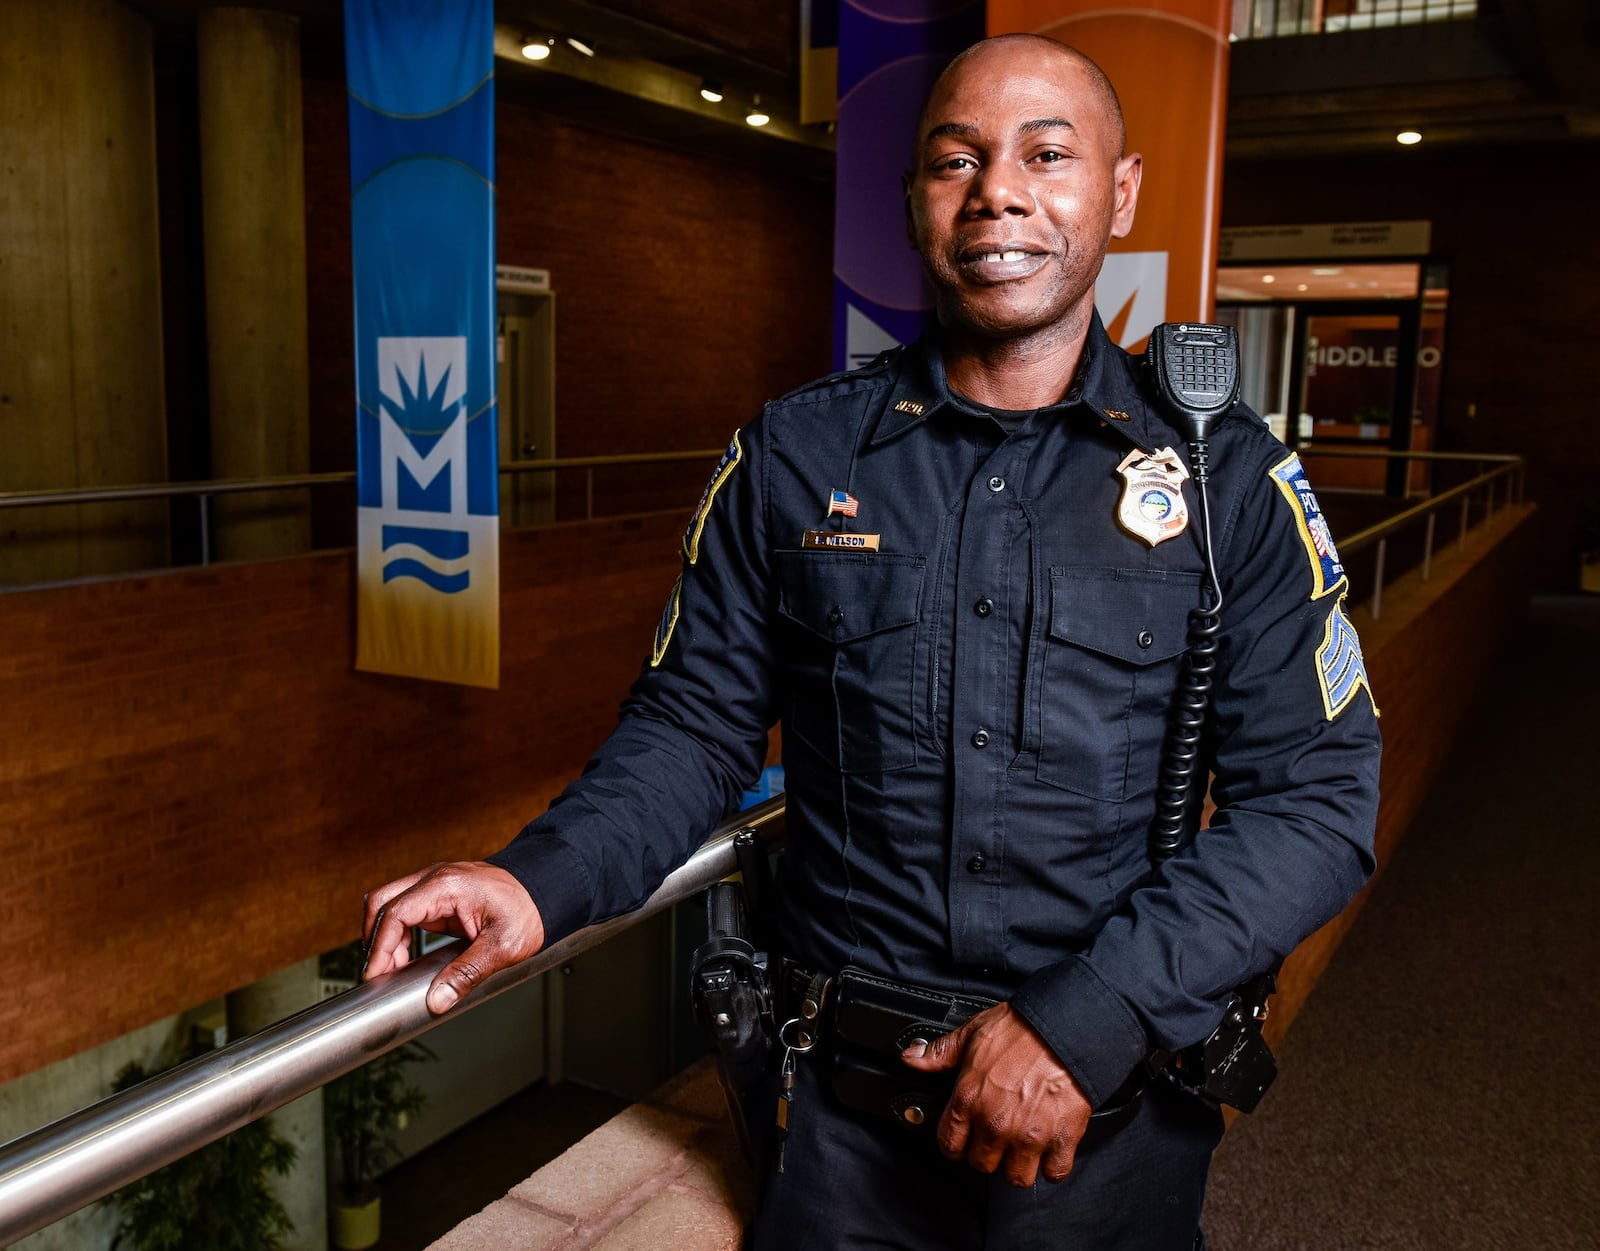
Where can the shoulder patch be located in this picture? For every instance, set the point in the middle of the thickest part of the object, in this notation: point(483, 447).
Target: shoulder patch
point(697, 521)
point(669, 619)
point(1341, 669)
point(1327, 571)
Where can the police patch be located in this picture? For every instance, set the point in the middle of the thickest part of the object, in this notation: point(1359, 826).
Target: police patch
point(1327, 571)
point(1341, 671)
point(697, 521)
point(669, 619)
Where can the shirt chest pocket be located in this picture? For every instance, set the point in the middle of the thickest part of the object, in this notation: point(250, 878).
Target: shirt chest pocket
point(1111, 669)
point(850, 652)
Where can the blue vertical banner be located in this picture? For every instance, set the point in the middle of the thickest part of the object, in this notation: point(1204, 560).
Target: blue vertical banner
point(421, 84)
point(890, 52)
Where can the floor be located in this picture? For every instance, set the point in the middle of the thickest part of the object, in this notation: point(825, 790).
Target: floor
point(1439, 1089)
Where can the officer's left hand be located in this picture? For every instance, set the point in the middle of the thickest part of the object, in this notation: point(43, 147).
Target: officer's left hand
point(1014, 1103)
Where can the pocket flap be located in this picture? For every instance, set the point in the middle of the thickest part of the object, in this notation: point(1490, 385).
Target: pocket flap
point(844, 597)
point(1136, 616)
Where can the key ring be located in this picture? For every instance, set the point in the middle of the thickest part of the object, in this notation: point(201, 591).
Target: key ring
point(803, 1041)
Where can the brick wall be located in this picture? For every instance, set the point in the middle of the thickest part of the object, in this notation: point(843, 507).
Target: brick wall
point(689, 289)
point(1521, 248)
point(195, 786)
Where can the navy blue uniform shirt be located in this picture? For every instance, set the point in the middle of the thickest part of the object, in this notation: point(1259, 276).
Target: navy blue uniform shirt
point(974, 693)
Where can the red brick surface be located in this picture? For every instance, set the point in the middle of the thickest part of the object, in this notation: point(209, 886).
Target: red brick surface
point(196, 787)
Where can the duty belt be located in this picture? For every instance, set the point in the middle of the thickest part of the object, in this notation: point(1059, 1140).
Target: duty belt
point(865, 1022)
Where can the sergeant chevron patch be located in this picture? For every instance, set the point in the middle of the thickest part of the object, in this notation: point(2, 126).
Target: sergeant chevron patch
point(1341, 670)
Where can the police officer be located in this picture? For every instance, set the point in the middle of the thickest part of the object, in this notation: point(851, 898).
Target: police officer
point(960, 577)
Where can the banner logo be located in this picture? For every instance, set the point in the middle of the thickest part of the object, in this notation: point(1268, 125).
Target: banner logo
point(423, 387)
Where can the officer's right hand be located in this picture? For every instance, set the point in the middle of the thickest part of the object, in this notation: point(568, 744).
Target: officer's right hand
point(470, 899)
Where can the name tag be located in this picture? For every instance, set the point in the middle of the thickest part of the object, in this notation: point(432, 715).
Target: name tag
point(837, 540)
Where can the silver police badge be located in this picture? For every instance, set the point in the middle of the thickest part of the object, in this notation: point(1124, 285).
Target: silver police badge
point(1152, 507)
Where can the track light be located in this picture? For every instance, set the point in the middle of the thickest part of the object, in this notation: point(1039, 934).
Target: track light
point(757, 116)
point(711, 91)
point(536, 49)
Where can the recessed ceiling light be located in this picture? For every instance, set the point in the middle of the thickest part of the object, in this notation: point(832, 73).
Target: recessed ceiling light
point(711, 91)
point(1408, 137)
point(536, 49)
point(577, 45)
point(1269, 278)
point(757, 116)
point(1303, 287)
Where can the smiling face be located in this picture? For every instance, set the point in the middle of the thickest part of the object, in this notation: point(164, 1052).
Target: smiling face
point(1020, 183)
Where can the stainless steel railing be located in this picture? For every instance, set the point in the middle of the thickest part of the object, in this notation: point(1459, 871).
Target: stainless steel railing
point(62, 1167)
point(204, 491)
point(1511, 471)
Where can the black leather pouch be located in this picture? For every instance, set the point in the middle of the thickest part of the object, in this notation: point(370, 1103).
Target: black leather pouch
point(875, 1019)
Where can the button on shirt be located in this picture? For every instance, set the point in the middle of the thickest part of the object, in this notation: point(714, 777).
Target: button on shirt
point(973, 711)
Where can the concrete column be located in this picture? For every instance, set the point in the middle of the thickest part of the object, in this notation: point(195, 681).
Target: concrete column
point(81, 391)
point(304, 1192)
point(252, 178)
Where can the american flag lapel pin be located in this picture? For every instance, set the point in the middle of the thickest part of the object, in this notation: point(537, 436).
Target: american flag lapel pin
point(843, 503)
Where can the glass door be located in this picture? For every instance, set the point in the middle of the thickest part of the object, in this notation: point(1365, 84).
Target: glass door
point(1342, 356)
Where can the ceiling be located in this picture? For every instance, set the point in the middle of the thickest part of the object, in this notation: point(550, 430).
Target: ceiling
point(1521, 71)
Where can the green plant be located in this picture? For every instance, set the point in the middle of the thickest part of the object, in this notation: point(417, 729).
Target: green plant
point(214, 1199)
point(364, 1111)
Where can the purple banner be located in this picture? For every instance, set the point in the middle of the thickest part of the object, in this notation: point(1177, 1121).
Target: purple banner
point(890, 52)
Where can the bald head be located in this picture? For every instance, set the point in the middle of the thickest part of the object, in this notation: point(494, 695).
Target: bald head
point(1004, 54)
point(1019, 186)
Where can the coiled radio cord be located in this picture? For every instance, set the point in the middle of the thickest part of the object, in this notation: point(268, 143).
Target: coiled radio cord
point(1180, 754)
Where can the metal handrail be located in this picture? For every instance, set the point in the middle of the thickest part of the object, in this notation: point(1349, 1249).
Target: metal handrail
point(61, 1167)
point(1510, 467)
point(203, 490)
point(237, 486)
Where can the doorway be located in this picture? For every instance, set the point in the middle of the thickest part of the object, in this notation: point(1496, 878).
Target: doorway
point(525, 352)
point(1353, 352)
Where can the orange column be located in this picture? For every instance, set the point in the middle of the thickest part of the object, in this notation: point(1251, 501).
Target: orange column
point(1169, 62)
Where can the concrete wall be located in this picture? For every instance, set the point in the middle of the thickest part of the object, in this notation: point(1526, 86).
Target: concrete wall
point(81, 389)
